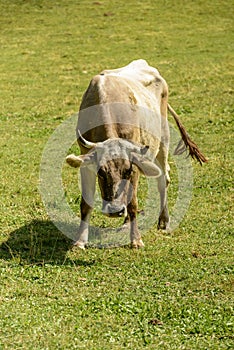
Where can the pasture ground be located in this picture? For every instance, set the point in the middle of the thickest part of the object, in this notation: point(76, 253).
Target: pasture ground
point(177, 292)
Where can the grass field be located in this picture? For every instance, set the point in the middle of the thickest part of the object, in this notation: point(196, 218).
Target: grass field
point(177, 292)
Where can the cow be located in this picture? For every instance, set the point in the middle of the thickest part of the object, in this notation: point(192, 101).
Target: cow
point(122, 132)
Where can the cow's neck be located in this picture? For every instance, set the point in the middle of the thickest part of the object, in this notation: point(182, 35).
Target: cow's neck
point(111, 131)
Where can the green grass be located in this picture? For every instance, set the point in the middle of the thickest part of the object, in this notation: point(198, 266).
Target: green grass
point(176, 293)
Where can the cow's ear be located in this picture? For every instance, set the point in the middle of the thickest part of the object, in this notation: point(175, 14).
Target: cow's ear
point(146, 166)
point(78, 161)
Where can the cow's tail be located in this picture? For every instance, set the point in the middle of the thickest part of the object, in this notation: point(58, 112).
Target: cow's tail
point(186, 142)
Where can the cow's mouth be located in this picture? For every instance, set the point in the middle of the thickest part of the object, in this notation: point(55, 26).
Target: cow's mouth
point(114, 211)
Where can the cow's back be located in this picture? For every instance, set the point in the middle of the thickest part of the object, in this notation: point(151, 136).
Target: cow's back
point(126, 103)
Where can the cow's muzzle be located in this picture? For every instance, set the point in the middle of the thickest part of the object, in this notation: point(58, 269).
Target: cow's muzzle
point(114, 211)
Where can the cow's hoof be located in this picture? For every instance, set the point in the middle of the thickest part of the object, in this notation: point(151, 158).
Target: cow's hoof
point(79, 244)
point(163, 225)
point(137, 243)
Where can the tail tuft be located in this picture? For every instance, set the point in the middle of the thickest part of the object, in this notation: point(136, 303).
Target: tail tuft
point(187, 143)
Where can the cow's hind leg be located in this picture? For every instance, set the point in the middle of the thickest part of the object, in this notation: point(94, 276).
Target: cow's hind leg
point(163, 220)
point(163, 182)
point(88, 181)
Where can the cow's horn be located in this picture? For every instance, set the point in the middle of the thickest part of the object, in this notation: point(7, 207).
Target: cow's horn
point(85, 143)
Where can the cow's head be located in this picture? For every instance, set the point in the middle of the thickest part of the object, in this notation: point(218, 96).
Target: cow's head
point(117, 163)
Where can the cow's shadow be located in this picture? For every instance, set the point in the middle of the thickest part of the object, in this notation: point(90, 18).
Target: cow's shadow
point(37, 242)
point(40, 242)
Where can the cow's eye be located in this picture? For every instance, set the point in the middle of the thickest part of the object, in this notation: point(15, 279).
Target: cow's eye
point(128, 172)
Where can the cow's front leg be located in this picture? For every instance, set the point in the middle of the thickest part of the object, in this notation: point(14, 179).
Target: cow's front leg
point(164, 220)
point(135, 236)
point(88, 181)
